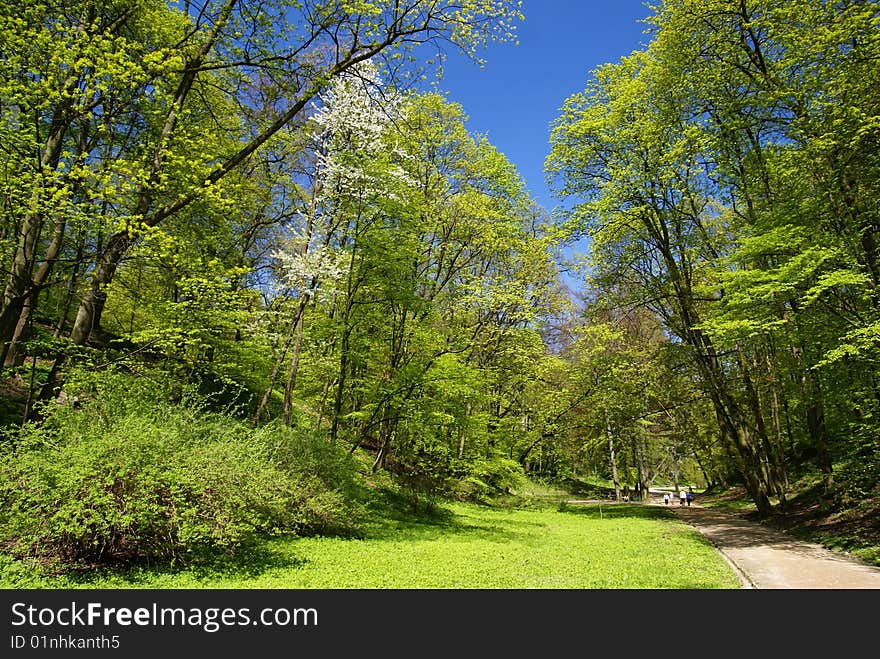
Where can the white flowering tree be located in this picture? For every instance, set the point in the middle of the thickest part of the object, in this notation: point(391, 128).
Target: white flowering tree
point(351, 175)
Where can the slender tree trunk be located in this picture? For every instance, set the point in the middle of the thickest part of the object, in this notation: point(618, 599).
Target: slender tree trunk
point(14, 353)
point(352, 287)
point(735, 434)
point(71, 291)
point(819, 433)
point(386, 435)
point(28, 406)
point(775, 443)
point(706, 475)
point(294, 363)
point(19, 283)
point(88, 316)
point(273, 376)
point(462, 431)
point(612, 456)
point(640, 446)
point(39, 280)
point(766, 456)
point(323, 405)
point(815, 416)
point(340, 384)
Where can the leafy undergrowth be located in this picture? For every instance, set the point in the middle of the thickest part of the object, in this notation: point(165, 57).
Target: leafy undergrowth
point(615, 546)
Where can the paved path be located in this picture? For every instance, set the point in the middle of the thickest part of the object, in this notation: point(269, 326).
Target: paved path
point(766, 558)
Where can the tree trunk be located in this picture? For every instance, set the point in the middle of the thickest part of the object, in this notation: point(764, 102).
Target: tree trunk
point(71, 291)
point(462, 431)
point(294, 363)
point(19, 284)
point(276, 368)
point(340, 385)
point(640, 446)
point(612, 457)
point(766, 462)
point(386, 435)
point(39, 280)
point(88, 316)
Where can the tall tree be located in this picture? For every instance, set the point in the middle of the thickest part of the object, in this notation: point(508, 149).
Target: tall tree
point(142, 67)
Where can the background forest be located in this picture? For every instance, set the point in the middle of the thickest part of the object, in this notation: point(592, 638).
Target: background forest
point(252, 270)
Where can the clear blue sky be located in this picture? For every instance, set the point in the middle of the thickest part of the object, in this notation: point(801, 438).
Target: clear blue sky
point(520, 91)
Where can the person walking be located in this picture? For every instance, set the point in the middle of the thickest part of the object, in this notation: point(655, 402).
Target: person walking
point(682, 495)
point(666, 498)
point(690, 496)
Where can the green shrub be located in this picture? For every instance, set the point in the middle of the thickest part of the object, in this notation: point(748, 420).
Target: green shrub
point(326, 479)
point(139, 488)
point(300, 451)
point(128, 478)
point(425, 470)
point(487, 478)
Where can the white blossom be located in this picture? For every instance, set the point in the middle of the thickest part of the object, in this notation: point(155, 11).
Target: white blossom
point(310, 269)
point(356, 123)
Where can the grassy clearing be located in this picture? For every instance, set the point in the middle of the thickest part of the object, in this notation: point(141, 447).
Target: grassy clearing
point(463, 546)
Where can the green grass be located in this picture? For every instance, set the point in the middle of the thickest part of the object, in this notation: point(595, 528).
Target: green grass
point(463, 546)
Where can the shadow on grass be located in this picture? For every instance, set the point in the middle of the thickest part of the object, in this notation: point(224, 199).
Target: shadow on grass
point(388, 518)
point(246, 562)
point(616, 510)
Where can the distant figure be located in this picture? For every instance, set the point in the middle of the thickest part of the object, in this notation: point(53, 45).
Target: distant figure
point(682, 495)
point(666, 498)
point(690, 496)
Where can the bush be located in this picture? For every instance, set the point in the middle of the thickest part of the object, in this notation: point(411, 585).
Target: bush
point(326, 478)
point(426, 471)
point(298, 450)
point(429, 471)
point(128, 479)
point(489, 478)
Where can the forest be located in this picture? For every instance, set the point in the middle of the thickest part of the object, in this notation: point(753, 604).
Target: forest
point(252, 266)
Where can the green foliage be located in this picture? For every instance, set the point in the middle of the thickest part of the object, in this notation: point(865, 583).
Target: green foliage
point(332, 471)
point(426, 472)
point(487, 479)
point(726, 175)
point(129, 477)
point(143, 489)
point(857, 474)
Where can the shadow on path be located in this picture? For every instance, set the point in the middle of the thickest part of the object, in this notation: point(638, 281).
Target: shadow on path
point(767, 558)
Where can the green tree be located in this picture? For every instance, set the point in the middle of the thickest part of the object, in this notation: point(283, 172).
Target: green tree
point(148, 74)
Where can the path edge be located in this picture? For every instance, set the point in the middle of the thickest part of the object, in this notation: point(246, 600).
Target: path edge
point(741, 574)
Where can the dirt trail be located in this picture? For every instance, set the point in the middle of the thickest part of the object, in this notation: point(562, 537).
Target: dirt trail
point(766, 558)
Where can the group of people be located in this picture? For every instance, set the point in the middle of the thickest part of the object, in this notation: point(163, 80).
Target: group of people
point(684, 497)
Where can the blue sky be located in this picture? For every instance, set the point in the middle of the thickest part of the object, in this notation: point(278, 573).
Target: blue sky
point(520, 91)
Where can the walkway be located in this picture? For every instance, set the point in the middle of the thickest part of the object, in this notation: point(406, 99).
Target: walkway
point(766, 558)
